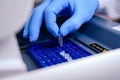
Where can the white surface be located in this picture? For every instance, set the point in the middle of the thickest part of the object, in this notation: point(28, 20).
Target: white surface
point(104, 66)
point(13, 14)
point(116, 28)
point(10, 59)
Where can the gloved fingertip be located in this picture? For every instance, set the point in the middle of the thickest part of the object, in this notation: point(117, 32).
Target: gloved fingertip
point(64, 32)
point(32, 39)
point(25, 34)
point(55, 34)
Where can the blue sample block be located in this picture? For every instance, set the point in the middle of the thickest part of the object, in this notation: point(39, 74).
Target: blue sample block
point(50, 53)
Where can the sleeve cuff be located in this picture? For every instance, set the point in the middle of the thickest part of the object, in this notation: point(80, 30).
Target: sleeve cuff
point(102, 4)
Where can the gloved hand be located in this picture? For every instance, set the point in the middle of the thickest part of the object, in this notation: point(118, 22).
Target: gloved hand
point(80, 12)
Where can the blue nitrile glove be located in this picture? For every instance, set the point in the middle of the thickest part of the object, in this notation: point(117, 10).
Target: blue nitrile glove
point(81, 11)
point(32, 27)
